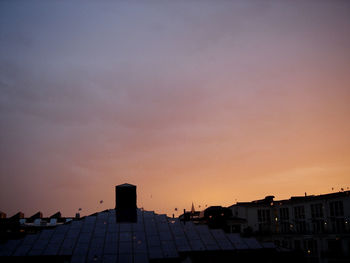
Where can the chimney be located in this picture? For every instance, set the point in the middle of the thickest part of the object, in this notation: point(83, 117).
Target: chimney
point(125, 203)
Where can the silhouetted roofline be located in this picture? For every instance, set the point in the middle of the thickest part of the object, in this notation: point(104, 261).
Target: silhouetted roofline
point(293, 199)
point(126, 185)
point(103, 225)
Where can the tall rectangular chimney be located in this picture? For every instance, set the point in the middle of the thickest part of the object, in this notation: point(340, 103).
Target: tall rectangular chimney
point(125, 203)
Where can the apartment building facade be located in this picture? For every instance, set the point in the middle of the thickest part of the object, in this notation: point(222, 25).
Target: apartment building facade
point(318, 225)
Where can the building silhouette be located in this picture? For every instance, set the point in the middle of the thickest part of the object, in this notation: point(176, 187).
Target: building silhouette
point(318, 225)
point(119, 236)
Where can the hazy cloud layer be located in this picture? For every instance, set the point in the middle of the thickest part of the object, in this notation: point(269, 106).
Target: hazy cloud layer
point(167, 94)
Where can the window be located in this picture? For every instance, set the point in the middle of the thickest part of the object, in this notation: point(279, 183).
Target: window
point(316, 210)
point(338, 225)
point(337, 216)
point(299, 215)
point(284, 220)
point(264, 215)
point(336, 208)
point(285, 227)
point(297, 244)
point(300, 226)
point(318, 226)
point(284, 213)
point(264, 219)
point(299, 212)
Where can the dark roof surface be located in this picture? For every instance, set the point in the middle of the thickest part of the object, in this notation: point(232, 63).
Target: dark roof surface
point(99, 237)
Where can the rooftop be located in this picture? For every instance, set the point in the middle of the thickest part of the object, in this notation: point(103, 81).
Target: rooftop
point(268, 200)
point(101, 237)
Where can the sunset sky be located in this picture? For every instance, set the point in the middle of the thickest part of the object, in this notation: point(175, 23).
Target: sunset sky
point(210, 102)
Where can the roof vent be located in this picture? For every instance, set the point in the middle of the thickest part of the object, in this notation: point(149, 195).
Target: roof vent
point(269, 198)
point(36, 216)
point(19, 215)
point(56, 215)
point(125, 203)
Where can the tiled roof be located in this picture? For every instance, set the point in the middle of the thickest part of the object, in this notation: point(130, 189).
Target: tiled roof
point(99, 237)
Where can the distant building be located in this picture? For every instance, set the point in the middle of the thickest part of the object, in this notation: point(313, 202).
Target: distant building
point(216, 217)
point(18, 225)
point(318, 225)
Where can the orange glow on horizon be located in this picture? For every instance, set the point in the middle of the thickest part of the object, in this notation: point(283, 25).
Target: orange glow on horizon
point(211, 104)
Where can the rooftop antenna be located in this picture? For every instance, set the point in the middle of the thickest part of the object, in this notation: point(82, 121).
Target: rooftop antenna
point(100, 203)
point(77, 214)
